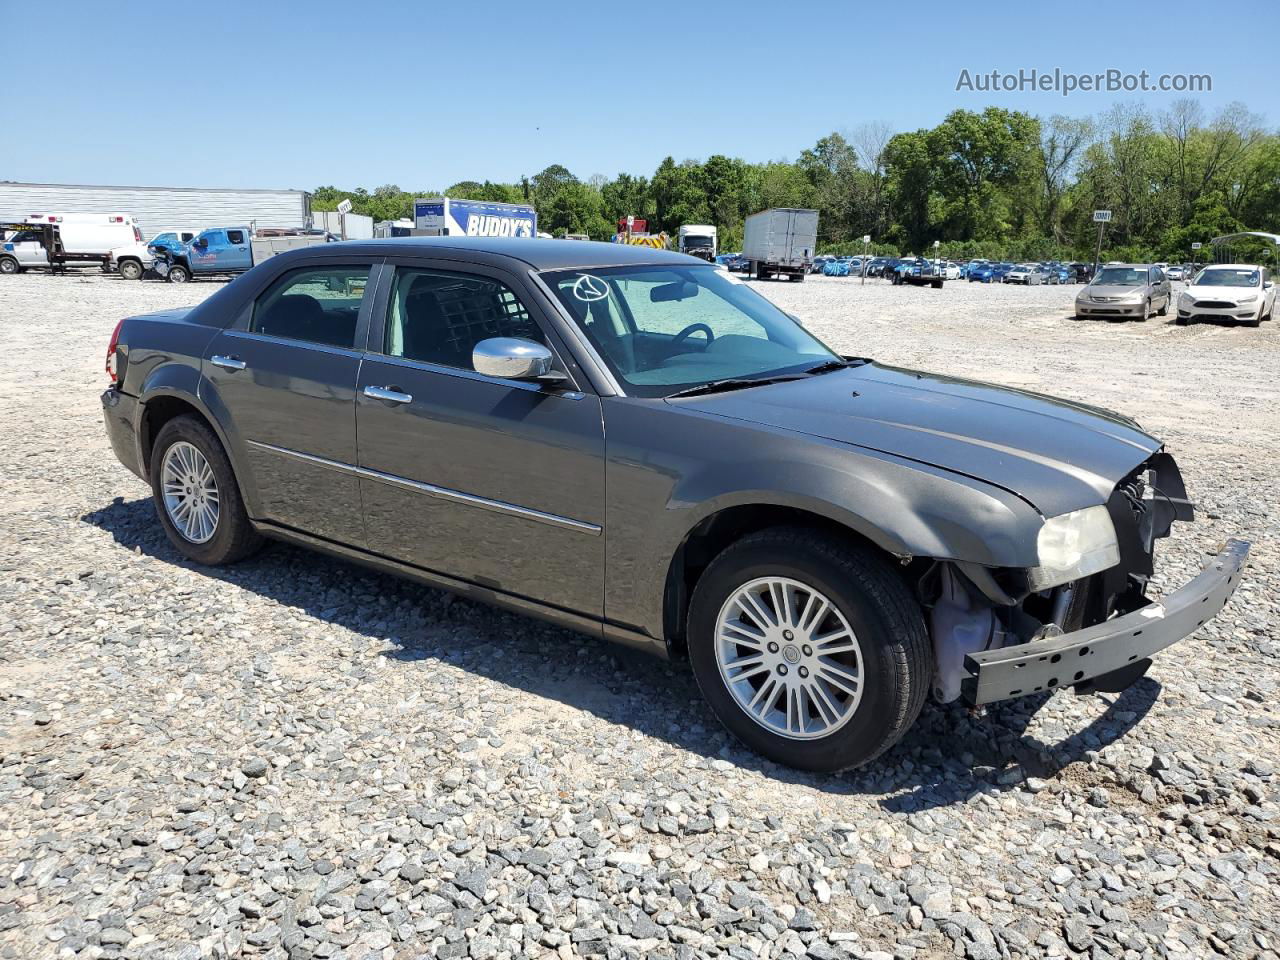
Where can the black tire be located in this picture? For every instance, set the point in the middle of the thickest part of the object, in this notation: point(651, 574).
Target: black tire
point(1146, 312)
point(130, 269)
point(8, 265)
point(234, 537)
point(886, 619)
point(1164, 310)
point(179, 274)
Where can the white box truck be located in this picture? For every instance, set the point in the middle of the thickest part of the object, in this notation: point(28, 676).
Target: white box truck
point(446, 217)
point(781, 242)
point(698, 240)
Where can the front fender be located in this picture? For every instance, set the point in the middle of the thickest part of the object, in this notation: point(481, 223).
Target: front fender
point(665, 476)
point(906, 509)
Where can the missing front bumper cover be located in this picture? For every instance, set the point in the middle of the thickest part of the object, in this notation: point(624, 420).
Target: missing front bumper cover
point(1108, 647)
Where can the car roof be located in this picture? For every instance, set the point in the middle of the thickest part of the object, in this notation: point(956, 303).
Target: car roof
point(1231, 266)
point(538, 252)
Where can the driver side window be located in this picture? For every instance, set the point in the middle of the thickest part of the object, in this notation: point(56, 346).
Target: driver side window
point(438, 317)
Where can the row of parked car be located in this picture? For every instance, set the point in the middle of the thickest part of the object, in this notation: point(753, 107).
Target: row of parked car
point(975, 271)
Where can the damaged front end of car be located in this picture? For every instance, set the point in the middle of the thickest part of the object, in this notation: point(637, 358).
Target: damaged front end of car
point(1081, 618)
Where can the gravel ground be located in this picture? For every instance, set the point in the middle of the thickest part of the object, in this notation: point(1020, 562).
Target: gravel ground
point(296, 758)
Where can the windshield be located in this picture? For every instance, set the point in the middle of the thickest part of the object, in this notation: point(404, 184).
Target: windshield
point(1121, 277)
point(692, 240)
point(1226, 278)
point(663, 329)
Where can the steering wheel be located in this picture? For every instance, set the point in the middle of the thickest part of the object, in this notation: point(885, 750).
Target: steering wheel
point(693, 328)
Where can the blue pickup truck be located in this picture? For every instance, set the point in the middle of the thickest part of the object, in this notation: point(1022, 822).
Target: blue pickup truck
point(227, 251)
point(213, 252)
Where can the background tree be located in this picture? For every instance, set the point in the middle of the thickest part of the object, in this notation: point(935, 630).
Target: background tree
point(999, 184)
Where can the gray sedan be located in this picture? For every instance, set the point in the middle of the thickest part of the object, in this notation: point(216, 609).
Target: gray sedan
point(635, 444)
point(1126, 290)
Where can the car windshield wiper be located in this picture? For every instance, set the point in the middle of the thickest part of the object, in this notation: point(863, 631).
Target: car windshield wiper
point(732, 383)
point(829, 365)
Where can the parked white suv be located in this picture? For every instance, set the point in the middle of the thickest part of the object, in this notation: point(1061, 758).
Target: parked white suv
point(1229, 291)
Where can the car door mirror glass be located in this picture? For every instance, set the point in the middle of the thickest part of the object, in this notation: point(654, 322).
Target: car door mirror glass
point(511, 358)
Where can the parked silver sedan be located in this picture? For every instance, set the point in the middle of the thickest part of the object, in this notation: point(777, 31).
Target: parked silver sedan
point(1125, 290)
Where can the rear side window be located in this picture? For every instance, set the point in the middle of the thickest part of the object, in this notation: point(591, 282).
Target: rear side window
point(313, 304)
point(235, 236)
point(439, 317)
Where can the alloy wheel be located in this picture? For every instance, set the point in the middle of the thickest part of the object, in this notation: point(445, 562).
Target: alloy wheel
point(789, 658)
point(190, 492)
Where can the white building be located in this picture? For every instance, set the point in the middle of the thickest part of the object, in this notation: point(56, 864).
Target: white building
point(158, 208)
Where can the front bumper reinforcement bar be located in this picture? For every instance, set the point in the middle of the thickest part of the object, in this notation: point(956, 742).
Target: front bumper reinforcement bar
point(1105, 648)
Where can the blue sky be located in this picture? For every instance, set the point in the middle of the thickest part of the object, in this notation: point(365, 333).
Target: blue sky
point(269, 94)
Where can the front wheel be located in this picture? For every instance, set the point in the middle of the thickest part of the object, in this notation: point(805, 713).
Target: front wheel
point(196, 495)
point(178, 274)
point(809, 648)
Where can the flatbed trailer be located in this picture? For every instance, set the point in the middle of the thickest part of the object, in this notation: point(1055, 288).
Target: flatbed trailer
point(50, 240)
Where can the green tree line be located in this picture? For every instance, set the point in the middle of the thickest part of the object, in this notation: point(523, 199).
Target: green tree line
point(996, 183)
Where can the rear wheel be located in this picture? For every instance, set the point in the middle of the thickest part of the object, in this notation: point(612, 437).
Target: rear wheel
point(809, 648)
point(1164, 308)
point(8, 265)
point(196, 494)
point(178, 274)
point(130, 269)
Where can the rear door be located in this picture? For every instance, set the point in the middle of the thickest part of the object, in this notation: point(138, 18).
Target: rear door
point(282, 381)
point(236, 255)
point(494, 481)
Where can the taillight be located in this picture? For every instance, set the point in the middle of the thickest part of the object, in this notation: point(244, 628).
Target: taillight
point(112, 369)
point(137, 234)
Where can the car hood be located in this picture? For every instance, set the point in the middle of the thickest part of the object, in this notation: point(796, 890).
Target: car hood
point(1057, 455)
point(1221, 293)
point(1111, 290)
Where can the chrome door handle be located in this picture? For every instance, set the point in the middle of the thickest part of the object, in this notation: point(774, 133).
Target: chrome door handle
point(227, 363)
point(387, 394)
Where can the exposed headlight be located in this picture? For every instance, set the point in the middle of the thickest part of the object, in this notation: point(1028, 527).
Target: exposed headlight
point(1073, 546)
point(1186, 300)
point(1249, 299)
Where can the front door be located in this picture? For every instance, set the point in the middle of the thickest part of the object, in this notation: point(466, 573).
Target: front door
point(494, 481)
point(282, 382)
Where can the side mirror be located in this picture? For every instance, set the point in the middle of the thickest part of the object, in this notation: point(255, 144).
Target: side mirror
point(1269, 284)
point(513, 358)
point(199, 242)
